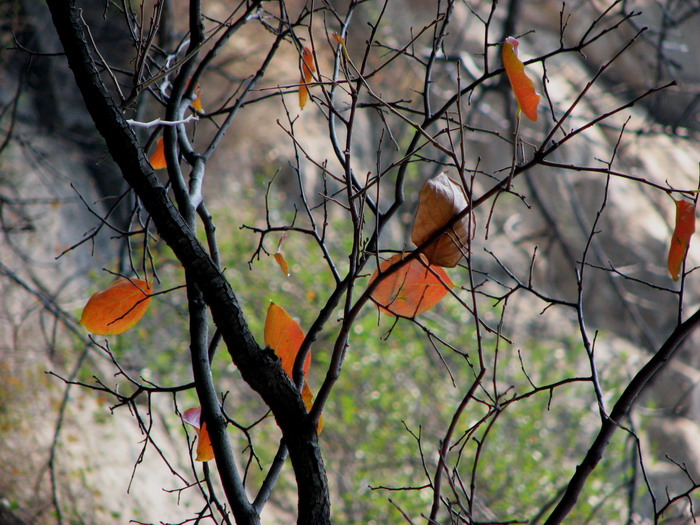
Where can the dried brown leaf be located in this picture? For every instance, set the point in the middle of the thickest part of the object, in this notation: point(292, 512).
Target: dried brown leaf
point(441, 199)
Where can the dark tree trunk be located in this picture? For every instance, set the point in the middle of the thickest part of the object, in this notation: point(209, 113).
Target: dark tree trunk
point(258, 366)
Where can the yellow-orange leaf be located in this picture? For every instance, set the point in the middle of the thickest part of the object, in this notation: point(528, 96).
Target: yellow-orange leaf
point(193, 416)
point(441, 199)
point(523, 88)
point(685, 227)
point(338, 38)
point(197, 102)
point(282, 262)
point(157, 160)
point(118, 308)
point(284, 335)
point(205, 452)
point(303, 95)
point(413, 289)
point(307, 67)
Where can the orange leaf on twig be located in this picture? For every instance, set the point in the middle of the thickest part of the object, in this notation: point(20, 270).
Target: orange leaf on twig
point(282, 262)
point(413, 289)
point(284, 335)
point(193, 417)
point(523, 88)
point(303, 95)
point(279, 255)
point(197, 102)
point(680, 241)
point(118, 308)
point(441, 199)
point(307, 67)
point(157, 160)
point(338, 38)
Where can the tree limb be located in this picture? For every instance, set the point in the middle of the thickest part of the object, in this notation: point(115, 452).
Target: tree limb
point(619, 412)
point(260, 368)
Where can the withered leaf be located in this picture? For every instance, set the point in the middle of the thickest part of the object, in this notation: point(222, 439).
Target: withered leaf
point(441, 199)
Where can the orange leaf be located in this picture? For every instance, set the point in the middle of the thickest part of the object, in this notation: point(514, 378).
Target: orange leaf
point(412, 290)
point(157, 160)
point(685, 227)
point(338, 38)
point(441, 199)
point(118, 308)
point(523, 88)
point(193, 416)
point(284, 335)
point(205, 452)
point(307, 67)
point(282, 262)
point(303, 95)
point(279, 256)
point(197, 102)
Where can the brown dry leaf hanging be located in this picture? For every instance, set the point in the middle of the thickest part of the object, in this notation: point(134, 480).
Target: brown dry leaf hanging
point(441, 199)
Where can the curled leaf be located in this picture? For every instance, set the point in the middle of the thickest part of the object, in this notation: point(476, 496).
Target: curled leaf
point(279, 256)
point(157, 160)
point(193, 416)
point(440, 200)
point(282, 262)
point(412, 290)
point(307, 67)
point(680, 241)
point(523, 88)
point(117, 308)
